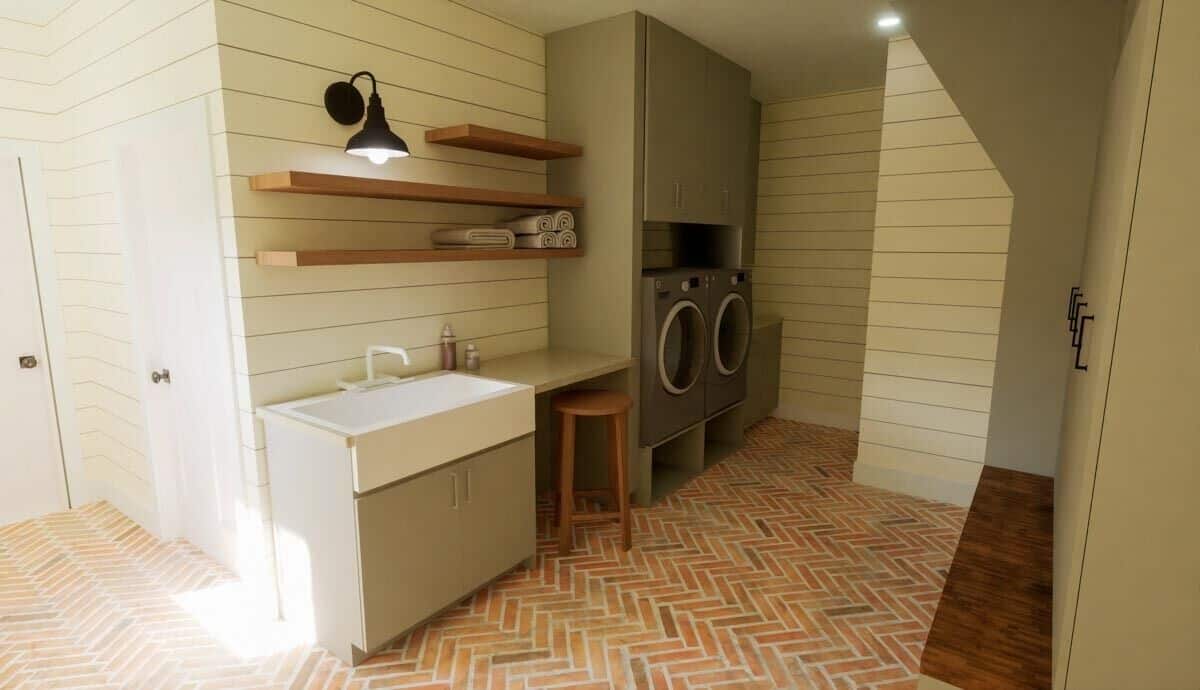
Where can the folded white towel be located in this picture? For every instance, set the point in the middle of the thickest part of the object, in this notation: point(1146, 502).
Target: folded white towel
point(488, 238)
point(567, 239)
point(564, 220)
point(529, 225)
point(542, 240)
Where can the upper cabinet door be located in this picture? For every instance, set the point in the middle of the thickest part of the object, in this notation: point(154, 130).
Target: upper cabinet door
point(675, 125)
point(727, 98)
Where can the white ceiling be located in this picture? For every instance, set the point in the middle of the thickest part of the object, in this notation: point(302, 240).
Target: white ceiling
point(32, 11)
point(791, 47)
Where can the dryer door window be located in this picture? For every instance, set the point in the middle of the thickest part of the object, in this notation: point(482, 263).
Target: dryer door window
point(681, 347)
point(731, 334)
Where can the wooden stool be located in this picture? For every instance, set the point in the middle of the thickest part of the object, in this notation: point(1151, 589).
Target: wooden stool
point(592, 403)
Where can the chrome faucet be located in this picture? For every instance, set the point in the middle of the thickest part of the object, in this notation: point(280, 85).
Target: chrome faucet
point(372, 381)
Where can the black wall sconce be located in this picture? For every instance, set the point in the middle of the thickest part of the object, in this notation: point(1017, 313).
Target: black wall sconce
point(376, 142)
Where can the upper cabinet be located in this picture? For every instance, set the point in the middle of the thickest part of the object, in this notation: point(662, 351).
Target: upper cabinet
point(697, 131)
point(675, 85)
point(726, 137)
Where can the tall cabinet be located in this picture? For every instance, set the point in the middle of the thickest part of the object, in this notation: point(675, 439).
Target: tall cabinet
point(666, 124)
point(1127, 555)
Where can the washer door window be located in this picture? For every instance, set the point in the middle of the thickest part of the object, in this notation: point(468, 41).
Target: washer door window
point(681, 343)
point(731, 334)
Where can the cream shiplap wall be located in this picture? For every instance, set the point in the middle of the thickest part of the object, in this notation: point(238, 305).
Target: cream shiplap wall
point(296, 331)
point(818, 172)
point(98, 64)
point(937, 283)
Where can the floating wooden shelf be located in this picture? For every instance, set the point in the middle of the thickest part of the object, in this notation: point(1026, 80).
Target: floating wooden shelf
point(499, 141)
point(348, 257)
point(293, 182)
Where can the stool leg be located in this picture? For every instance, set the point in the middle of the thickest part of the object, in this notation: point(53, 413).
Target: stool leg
point(616, 440)
point(566, 479)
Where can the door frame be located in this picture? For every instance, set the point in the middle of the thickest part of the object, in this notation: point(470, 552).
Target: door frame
point(76, 488)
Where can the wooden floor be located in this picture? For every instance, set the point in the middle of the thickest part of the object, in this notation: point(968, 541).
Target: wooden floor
point(992, 627)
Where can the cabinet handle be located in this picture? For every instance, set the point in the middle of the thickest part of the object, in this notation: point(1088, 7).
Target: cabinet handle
point(725, 200)
point(1074, 327)
point(675, 194)
point(1076, 293)
point(1073, 309)
point(468, 485)
point(454, 490)
point(1079, 345)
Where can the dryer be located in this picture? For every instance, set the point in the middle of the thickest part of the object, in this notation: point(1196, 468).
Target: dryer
point(674, 351)
point(730, 317)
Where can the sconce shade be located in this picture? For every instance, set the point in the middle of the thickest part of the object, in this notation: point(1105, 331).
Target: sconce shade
point(376, 141)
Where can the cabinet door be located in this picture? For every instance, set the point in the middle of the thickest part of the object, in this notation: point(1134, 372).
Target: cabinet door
point(727, 96)
point(675, 84)
point(411, 564)
point(499, 509)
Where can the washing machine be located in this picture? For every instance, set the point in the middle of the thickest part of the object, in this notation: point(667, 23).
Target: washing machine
point(674, 351)
point(729, 316)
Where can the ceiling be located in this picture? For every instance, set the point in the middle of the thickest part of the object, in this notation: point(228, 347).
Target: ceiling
point(791, 47)
point(33, 11)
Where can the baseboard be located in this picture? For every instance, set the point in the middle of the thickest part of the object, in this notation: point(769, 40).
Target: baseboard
point(796, 413)
point(936, 478)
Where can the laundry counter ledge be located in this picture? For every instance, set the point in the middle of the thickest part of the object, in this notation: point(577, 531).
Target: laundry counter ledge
point(552, 368)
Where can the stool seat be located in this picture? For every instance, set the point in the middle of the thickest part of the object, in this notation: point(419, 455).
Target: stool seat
point(592, 403)
point(614, 407)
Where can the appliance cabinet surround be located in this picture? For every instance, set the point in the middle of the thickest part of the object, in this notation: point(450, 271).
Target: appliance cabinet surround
point(359, 570)
point(697, 131)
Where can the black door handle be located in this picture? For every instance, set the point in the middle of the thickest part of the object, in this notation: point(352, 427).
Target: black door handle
point(1079, 344)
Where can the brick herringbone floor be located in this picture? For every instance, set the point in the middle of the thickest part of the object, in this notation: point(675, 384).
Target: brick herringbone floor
point(771, 570)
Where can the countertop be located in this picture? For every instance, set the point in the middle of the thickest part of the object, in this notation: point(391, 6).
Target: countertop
point(552, 368)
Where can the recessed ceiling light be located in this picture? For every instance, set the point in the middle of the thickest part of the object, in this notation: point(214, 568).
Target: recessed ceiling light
point(888, 21)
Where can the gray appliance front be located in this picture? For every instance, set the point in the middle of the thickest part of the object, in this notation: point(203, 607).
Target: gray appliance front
point(674, 352)
point(730, 317)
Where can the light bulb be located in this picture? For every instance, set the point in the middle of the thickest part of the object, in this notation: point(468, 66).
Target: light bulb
point(888, 21)
point(377, 156)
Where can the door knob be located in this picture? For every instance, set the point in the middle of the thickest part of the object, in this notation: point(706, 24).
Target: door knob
point(27, 361)
point(163, 376)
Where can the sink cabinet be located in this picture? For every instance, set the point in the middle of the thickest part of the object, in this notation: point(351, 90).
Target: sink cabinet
point(360, 568)
point(425, 542)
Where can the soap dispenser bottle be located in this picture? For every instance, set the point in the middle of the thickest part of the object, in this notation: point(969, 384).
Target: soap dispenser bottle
point(449, 352)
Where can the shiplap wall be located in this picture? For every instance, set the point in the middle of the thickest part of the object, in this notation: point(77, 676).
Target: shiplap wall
point(296, 331)
point(97, 64)
point(937, 283)
point(818, 170)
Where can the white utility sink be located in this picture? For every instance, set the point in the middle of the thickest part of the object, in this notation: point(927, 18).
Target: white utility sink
point(402, 429)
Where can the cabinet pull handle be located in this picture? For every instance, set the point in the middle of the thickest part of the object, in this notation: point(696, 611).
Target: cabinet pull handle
point(454, 490)
point(675, 194)
point(725, 200)
point(468, 485)
point(681, 200)
point(1073, 312)
point(1079, 345)
point(1075, 293)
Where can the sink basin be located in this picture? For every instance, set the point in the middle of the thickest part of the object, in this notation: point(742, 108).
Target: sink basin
point(400, 430)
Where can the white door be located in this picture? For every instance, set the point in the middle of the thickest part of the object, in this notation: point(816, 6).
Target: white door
point(167, 206)
point(33, 481)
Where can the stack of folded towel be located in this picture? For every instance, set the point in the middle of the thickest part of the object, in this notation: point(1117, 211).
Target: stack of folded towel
point(550, 230)
point(474, 238)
